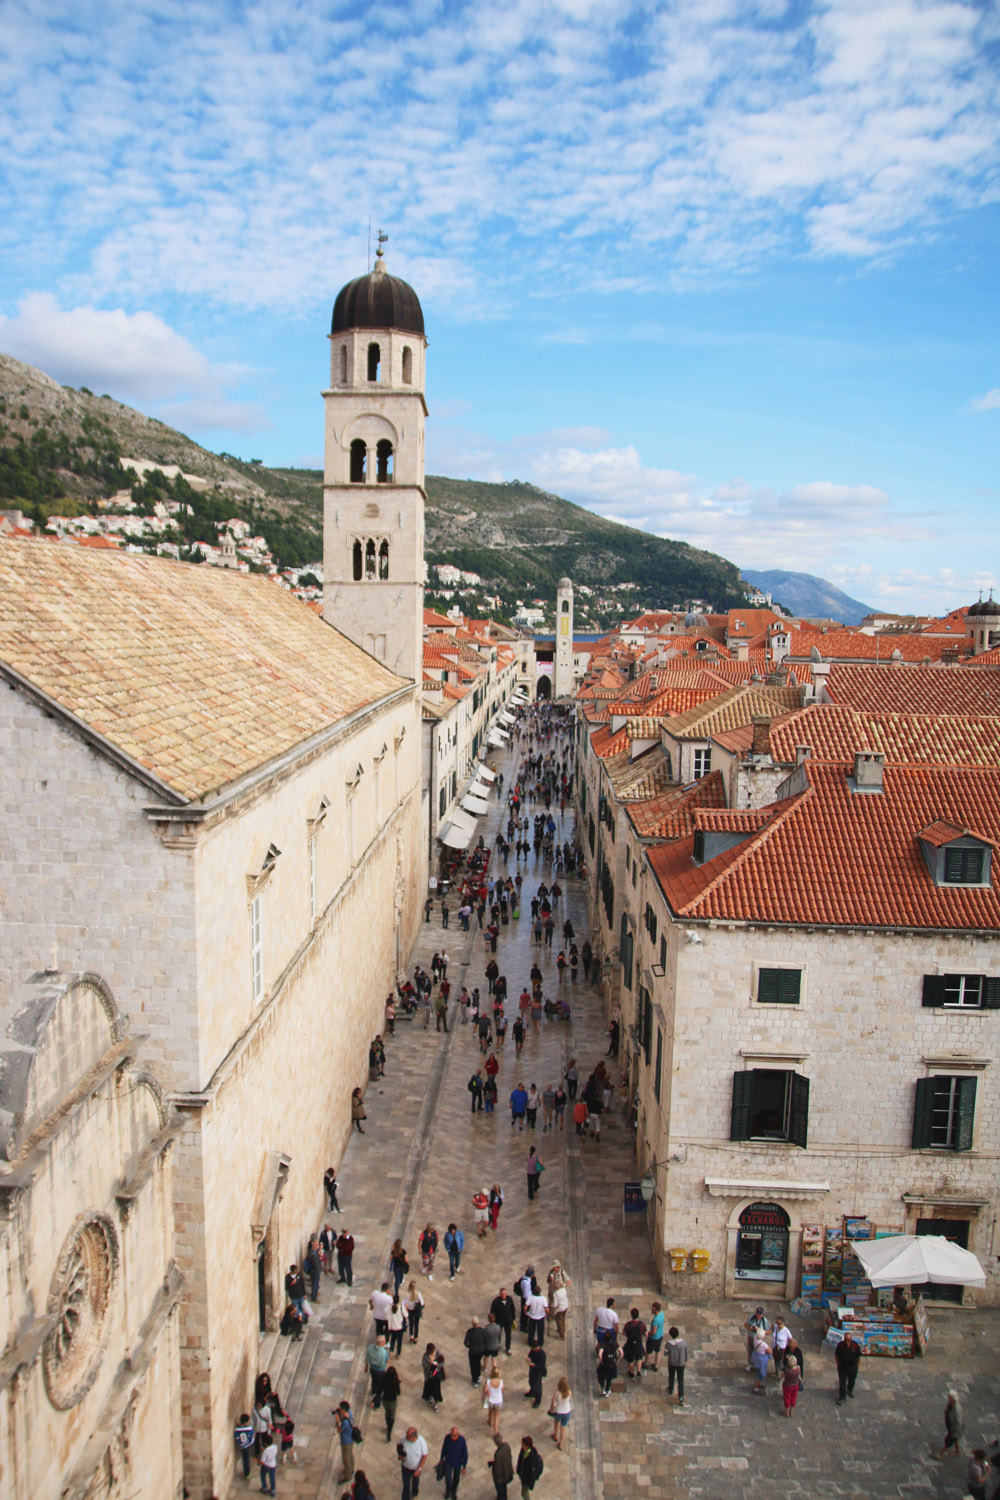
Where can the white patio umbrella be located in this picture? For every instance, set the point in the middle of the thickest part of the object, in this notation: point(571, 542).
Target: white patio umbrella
point(908, 1259)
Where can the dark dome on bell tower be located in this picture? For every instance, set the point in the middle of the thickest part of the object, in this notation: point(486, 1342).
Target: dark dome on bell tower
point(377, 300)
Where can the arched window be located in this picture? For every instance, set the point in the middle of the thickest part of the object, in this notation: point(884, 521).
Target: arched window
point(369, 558)
point(358, 562)
point(383, 561)
point(343, 364)
point(565, 606)
point(383, 461)
point(407, 366)
point(374, 358)
point(359, 461)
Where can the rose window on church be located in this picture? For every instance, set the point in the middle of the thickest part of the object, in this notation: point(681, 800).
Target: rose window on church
point(80, 1302)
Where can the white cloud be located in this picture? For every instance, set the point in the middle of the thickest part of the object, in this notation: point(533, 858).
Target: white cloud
point(988, 402)
point(136, 357)
point(235, 159)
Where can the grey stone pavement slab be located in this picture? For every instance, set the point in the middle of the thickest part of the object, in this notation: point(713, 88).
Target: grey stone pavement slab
point(422, 1157)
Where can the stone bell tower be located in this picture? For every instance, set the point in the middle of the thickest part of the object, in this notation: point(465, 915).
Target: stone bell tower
point(562, 675)
point(373, 473)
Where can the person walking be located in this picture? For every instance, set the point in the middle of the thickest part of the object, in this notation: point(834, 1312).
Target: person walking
point(760, 1360)
point(475, 1087)
point(243, 1437)
point(397, 1322)
point(492, 1337)
point(529, 1466)
point(432, 1364)
point(475, 1343)
point(531, 1107)
point(481, 1209)
point(501, 1466)
point(345, 1256)
point(496, 1204)
point(536, 1309)
point(606, 1322)
point(548, 1106)
point(455, 1459)
point(268, 1466)
point(634, 1334)
point(518, 1105)
point(560, 1410)
point(398, 1264)
point(454, 1243)
point(504, 1311)
point(755, 1323)
point(975, 1481)
point(380, 1303)
point(377, 1360)
point(330, 1188)
point(607, 1364)
point(677, 1358)
point(493, 1398)
point(328, 1248)
point(344, 1418)
point(847, 1356)
point(537, 1370)
point(954, 1426)
point(560, 1098)
point(413, 1306)
point(654, 1339)
point(390, 1396)
point(790, 1385)
point(358, 1110)
point(533, 1169)
point(428, 1250)
point(413, 1455)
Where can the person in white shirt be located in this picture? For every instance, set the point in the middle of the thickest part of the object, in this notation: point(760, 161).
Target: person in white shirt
point(780, 1340)
point(606, 1321)
point(413, 1455)
point(380, 1303)
point(536, 1307)
point(268, 1466)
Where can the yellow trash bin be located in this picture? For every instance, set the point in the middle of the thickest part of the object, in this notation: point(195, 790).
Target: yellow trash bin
point(678, 1260)
point(700, 1260)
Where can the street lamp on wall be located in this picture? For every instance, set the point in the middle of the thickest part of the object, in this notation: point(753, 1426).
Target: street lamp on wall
point(647, 1182)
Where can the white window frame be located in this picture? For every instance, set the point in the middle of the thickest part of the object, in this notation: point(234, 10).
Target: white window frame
point(701, 763)
point(257, 947)
point(965, 981)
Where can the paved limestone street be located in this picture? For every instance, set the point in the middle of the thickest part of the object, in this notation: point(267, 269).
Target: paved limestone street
point(421, 1159)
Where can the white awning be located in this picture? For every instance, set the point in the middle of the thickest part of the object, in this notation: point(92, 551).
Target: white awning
point(505, 717)
point(463, 822)
point(454, 837)
point(494, 739)
point(475, 805)
point(503, 733)
point(480, 789)
point(482, 770)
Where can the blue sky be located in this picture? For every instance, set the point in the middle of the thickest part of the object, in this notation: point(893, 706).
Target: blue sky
point(725, 271)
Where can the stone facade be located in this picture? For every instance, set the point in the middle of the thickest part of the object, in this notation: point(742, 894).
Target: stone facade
point(861, 1036)
point(90, 1363)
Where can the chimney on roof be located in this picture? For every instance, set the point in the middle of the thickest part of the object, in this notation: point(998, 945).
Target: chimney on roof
point(761, 743)
point(802, 753)
point(869, 766)
point(949, 656)
point(741, 650)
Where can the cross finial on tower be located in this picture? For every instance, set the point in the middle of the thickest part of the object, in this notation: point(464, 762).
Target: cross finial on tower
point(381, 239)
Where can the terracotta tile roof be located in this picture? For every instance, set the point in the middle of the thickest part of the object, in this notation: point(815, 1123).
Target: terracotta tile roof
point(834, 732)
point(645, 776)
point(733, 819)
point(431, 617)
point(830, 857)
point(456, 693)
point(201, 675)
point(985, 659)
point(906, 689)
point(730, 709)
point(671, 812)
point(605, 743)
point(940, 834)
point(852, 645)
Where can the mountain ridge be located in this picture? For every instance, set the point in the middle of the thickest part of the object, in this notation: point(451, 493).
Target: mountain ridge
point(807, 595)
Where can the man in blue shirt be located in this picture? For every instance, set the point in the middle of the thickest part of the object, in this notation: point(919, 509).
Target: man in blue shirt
point(454, 1243)
point(518, 1105)
point(455, 1457)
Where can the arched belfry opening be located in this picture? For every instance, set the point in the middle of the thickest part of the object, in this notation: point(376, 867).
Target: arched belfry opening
point(359, 461)
point(358, 562)
point(374, 361)
point(370, 558)
point(407, 365)
point(383, 461)
point(383, 562)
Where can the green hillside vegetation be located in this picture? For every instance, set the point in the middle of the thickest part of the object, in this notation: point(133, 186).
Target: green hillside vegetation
point(61, 451)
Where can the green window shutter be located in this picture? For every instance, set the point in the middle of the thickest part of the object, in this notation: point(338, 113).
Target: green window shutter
point(933, 990)
point(647, 1026)
point(778, 986)
point(922, 1113)
point(739, 1120)
point(798, 1122)
point(991, 994)
point(626, 955)
point(966, 1114)
point(658, 1071)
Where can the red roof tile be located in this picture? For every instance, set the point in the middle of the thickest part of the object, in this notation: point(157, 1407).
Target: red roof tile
point(900, 688)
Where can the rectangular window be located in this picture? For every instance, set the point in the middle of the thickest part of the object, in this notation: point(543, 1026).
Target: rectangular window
point(658, 1070)
point(770, 1104)
point(256, 949)
point(663, 952)
point(702, 763)
point(442, 800)
point(961, 992)
point(945, 1113)
point(651, 923)
point(645, 1024)
point(963, 866)
point(312, 879)
point(778, 986)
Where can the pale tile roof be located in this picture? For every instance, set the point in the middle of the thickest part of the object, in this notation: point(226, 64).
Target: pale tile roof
point(200, 675)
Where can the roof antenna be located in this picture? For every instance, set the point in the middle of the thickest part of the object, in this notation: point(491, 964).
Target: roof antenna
point(368, 253)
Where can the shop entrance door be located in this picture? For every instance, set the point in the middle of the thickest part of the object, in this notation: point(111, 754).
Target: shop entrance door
point(956, 1230)
point(762, 1243)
